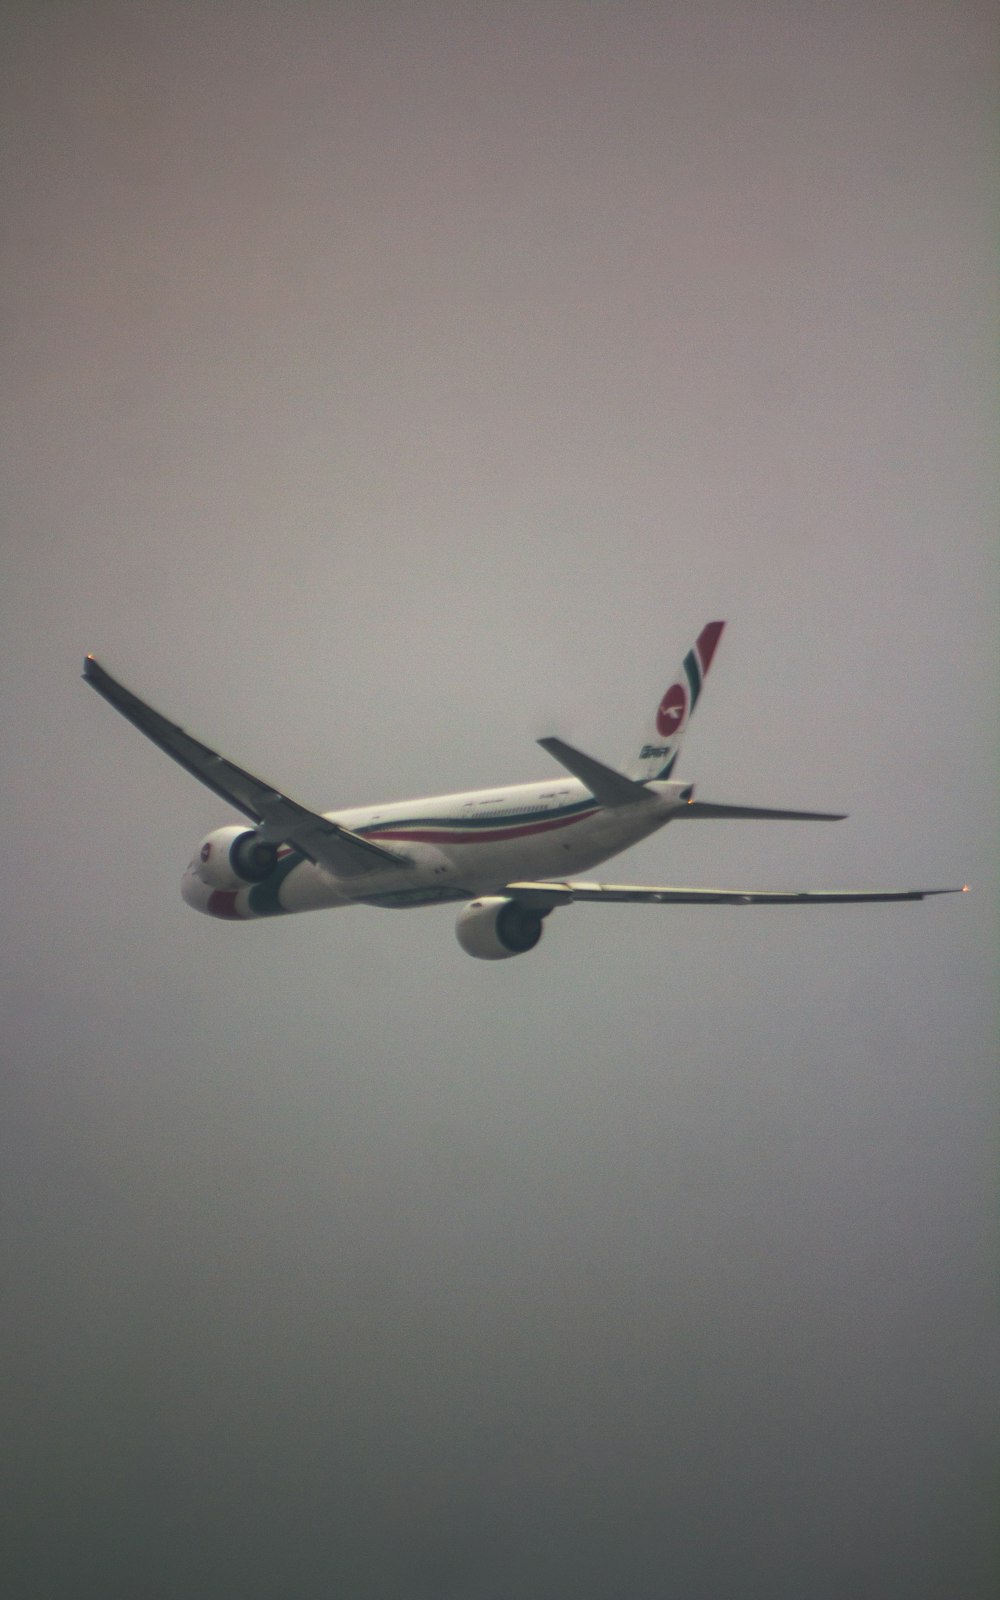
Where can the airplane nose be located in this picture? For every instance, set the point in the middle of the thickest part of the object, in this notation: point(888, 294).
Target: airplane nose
point(218, 903)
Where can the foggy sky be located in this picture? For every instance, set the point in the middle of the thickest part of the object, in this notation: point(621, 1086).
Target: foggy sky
point(386, 386)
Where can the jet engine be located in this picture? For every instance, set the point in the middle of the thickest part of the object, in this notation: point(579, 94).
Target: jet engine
point(495, 927)
point(231, 857)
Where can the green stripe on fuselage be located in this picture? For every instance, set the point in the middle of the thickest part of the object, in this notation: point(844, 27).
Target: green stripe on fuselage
point(489, 819)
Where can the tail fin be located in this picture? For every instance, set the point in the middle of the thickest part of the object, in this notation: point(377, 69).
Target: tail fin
point(666, 729)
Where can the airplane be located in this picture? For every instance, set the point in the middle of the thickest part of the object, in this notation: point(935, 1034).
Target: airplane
point(510, 854)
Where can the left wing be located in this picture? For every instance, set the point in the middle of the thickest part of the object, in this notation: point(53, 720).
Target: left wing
point(278, 817)
point(546, 896)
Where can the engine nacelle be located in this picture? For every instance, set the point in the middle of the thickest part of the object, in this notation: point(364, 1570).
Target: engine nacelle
point(496, 927)
point(232, 857)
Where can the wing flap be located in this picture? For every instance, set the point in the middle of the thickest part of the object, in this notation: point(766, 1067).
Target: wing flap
point(279, 818)
point(546, 896)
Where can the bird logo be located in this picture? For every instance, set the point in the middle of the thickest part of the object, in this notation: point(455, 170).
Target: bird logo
point(672, 710)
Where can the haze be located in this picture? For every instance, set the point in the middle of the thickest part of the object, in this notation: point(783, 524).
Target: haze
point(387, 386)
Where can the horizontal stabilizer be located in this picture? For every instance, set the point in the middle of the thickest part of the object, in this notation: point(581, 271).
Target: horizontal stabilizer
point(280, 819)
point(546, 896)
point(705, 808)
point(611, 788)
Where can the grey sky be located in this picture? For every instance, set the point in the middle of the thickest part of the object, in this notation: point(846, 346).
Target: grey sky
point(386, 386)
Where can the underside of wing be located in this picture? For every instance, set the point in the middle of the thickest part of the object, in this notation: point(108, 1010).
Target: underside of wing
point(546, 896)
point(342, 852)
point(696, 809)
point(278, 817)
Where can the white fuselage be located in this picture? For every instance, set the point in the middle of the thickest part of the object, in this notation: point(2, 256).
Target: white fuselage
point(452, 847)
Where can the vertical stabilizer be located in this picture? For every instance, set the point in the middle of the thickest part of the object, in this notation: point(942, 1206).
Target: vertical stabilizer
point(662, 738)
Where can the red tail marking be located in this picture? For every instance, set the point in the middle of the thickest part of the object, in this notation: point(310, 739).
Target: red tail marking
point(708, 638)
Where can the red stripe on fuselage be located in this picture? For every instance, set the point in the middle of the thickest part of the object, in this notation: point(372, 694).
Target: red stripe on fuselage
point(414, 833)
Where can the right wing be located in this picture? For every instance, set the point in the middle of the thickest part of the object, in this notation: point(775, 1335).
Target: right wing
point(707, 808)
point(278, 817)
point(546, 896)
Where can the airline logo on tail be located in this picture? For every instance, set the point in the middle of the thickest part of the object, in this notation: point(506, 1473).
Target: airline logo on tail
point(659, 751)
point(673, 710)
